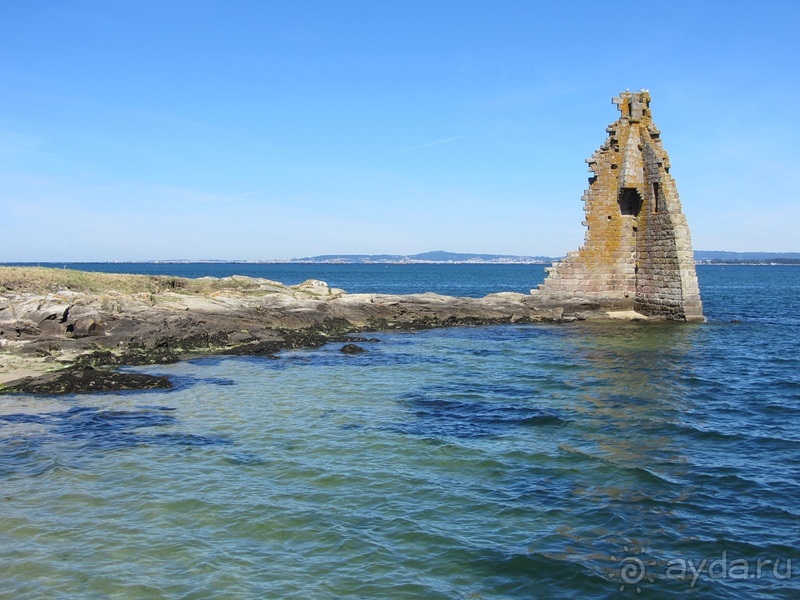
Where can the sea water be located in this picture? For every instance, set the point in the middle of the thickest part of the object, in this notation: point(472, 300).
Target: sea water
point(579, 460)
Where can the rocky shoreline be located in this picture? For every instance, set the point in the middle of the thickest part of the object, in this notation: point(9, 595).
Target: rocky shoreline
point(65, 331)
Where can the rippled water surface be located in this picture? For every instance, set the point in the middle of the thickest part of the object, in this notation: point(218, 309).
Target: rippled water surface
point(546, 461)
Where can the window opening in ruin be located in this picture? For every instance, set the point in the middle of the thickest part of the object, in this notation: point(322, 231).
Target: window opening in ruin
point(630, 202)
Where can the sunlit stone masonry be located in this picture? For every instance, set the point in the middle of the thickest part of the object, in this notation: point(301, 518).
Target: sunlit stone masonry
point(637, 253)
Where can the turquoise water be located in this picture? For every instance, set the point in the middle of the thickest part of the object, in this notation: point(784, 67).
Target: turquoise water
point(545, 461)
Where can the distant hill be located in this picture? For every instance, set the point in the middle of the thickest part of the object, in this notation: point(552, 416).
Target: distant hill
point(350, 258)
point(436, 256)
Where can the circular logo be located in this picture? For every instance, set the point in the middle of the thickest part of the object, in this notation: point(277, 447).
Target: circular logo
point(632, 570)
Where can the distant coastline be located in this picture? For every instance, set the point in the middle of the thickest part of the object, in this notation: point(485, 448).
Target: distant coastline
point(716, 257)
point(432, 258)
point(437, 257)
point(788, 262)
point(441, 257)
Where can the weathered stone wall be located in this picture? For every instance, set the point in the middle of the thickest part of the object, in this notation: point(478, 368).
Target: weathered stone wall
point(637, 253)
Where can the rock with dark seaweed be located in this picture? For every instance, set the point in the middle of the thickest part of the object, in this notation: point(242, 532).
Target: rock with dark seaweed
point(268, 349)
point(78, 380)
point(356, 339)
point(131, 357)
point(351, 349)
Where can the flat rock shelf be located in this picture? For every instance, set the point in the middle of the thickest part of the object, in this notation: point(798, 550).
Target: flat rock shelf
point(64, 331)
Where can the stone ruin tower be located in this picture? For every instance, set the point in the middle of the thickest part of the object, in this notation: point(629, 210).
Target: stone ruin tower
point(637, 253)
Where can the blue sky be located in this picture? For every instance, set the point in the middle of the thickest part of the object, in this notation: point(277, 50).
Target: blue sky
point(136, 130)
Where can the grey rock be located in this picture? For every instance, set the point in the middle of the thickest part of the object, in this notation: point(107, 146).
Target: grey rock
point(239, 315)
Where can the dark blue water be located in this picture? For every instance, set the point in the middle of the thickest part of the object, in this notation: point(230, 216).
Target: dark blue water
point(585, 460)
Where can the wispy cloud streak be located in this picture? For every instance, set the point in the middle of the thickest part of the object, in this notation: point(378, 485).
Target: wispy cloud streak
point(253, 193)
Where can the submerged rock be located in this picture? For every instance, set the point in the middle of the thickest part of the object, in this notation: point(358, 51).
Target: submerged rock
point(351, 349)
point(81, 380)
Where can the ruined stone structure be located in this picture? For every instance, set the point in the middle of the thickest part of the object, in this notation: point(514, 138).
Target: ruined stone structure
point(637, 253)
